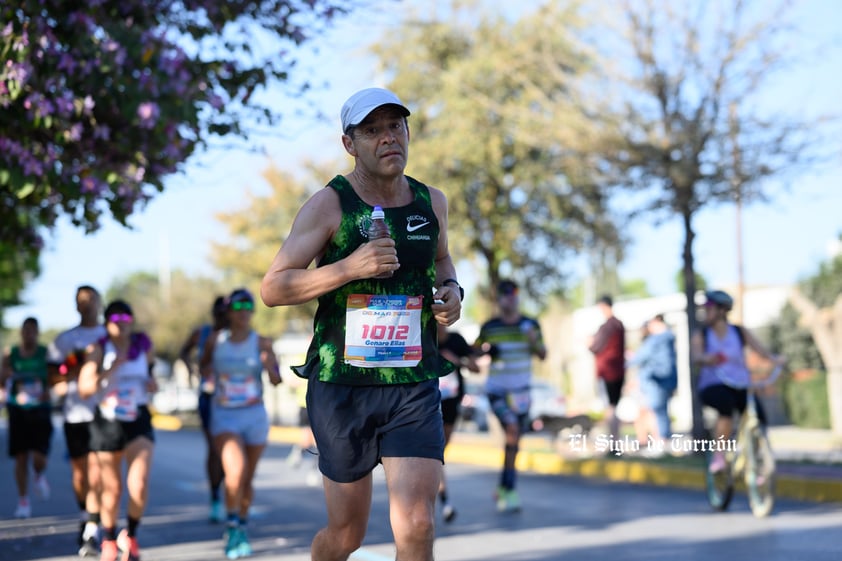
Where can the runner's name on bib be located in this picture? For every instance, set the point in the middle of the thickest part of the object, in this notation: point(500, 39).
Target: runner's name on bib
point(382, 330)
point(29, 393)
point(238, 390)
point(120, 405)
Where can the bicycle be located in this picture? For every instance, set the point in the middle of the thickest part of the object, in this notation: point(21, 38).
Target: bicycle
point(751, 457)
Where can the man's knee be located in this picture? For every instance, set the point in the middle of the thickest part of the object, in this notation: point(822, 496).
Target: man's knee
point(346, 539)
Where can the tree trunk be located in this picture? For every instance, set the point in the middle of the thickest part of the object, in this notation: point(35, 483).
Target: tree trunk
point(689, 273)
point(825, 326)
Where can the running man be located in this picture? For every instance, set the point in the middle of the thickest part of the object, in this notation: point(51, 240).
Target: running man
point(24, 368)
point(66, 355)
point(373, 406)
point(511, 339)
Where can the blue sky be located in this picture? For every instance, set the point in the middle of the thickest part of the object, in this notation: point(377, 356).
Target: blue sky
point(783, 240)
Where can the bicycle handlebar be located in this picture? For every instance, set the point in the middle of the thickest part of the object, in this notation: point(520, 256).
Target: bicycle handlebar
point(767, 381)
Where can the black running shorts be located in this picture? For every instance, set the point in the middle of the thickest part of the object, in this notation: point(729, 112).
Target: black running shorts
point(30, 430)
point(356, 426)
point(78, 439)
point(114, 436)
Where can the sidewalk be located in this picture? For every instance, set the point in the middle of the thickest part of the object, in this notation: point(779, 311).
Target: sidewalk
point(809, 461)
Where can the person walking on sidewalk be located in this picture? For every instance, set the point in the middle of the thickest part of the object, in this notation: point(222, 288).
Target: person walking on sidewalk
point(235, 357)
point(66, 355)
point(213, 463)
point(454, 348)
point(719, 349)
point(118, 373)
point(369, 402)
point(657, 376)
point(24, 368)
point(609, 347)
point(511, 339)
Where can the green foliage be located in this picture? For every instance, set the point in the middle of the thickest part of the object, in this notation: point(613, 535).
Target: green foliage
point(825, 286)
point(635, 288)
point(806, 400)
point(257, 230)
point(100, 101)
point(795, 342)
point(701, 282)
point(501, 124)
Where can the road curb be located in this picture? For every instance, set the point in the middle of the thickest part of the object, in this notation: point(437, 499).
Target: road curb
point(645, 472)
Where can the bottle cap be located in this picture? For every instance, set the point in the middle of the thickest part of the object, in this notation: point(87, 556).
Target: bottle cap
point(377, 213)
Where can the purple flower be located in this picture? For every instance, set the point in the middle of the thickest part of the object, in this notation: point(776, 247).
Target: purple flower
point(102, 132)
point(74, 134)
point(66, 63)
point(148, 112)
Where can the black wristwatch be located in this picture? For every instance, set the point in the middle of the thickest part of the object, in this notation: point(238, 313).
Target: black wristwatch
point(459, 286)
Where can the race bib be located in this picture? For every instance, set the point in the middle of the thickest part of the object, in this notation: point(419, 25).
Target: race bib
point(449, 385)
point(238, 391)
point(383, 330)
point(518, 401)
point(29, 393)
point(120, 405)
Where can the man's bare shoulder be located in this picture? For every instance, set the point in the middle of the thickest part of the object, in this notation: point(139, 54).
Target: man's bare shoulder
point(322, 211)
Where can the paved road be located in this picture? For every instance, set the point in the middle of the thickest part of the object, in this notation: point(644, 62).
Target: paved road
point(563, 518)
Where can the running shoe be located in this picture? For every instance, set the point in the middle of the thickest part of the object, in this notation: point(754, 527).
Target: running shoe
point(128, 545)
point(508, 500)
point(23, 510)
point(42, 487)
point(513, 501)
point(217, 511)
point(244, 547)
point(296, 454)
point(232, 542)
point(109, 551)
point(448, 513)
point(89, 547)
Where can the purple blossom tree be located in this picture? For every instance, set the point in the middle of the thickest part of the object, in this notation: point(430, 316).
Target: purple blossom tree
point(101, 100)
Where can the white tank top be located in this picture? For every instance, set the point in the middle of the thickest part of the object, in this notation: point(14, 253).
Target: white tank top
point(237, 370)
point(734, 368)
point(123, 392)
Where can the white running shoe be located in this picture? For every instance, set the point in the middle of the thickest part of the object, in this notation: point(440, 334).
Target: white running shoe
point(448, 513)
point(42, 487)
point(23, 510)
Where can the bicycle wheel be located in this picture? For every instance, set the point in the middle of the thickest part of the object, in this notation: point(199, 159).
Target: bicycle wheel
point(760, 473)
point(719, 486)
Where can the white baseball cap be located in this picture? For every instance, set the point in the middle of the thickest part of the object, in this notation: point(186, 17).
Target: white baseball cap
point(364, 102)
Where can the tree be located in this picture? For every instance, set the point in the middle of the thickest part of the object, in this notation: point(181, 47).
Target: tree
point(499, 123)
point(257, 231)
point(818, 300)
point(102, 100)
point(692, 130)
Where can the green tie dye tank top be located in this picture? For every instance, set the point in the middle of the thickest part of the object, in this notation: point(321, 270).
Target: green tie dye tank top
point(352, 343)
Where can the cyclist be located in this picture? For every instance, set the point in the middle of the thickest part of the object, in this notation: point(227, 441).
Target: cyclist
point(718, 349)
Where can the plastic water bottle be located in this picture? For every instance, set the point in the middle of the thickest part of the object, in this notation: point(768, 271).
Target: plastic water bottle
point(379, 229)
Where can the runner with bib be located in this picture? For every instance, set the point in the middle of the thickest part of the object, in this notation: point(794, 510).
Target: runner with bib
point(236, 357)
point(118, 372)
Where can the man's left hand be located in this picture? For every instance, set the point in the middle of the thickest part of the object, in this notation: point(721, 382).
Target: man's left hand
point(447, 307)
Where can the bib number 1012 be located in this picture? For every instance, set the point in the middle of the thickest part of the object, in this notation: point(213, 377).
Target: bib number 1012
point(385, 332)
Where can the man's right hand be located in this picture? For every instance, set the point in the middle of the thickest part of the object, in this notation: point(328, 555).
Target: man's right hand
point(374, 259)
